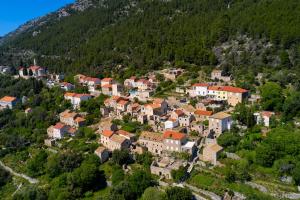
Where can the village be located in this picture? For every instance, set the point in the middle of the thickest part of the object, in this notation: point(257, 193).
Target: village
point(178, 135)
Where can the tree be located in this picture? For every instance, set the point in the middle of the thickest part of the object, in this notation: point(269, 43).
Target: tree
point(152, 193)
point(25, 72)
point(144, 159)
point(4, 176)
point(87, 177)
point(117, 176)
point(291, 107)
point(30, 73)
point(29, 193)
point(244, 115)
point(285, 59)
point(230, 175)
point(229, 140)
point(296, 173)
point(178, 193)
point(36, 165)
point(272, 96)
point(121, 157)
point(139, 181)
point(179, 174)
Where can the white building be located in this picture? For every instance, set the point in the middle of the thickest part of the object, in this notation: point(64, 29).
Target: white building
point(76, 99)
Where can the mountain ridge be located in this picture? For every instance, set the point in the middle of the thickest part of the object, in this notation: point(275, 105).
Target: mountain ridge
point(145, 34)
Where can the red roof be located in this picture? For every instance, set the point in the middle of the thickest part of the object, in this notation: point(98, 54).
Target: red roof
point(201, 85)
point(122, 132)
point(107, 86)
point(122, 102)
point(79, 119)
point(174, 135)
point(70, 94)
point(203, 112)
point(234, 89)
point(59, 125)
point(34, 68)
point(216, 88)
point(267, 114)
point(107, 79)
point(179, 112)
point(107, 133)
point(228, 89)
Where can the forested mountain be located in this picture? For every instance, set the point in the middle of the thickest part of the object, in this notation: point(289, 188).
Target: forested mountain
point(146, 34)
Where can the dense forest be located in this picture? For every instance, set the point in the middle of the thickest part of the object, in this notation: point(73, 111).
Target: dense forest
point(149, 34)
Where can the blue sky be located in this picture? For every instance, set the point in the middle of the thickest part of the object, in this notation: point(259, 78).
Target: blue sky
point(16, 12)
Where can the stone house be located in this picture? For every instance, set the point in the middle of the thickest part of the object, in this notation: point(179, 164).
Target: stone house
point(173, 140)
point(152, 141)
point(107, 89)
point(211, 153)
point(76, 98)
point(102, 153)
point(164, 166)
point(264, 117)
point(66, 86)
point(220, 122)
point(202, 115)
point(107, 81)
point(185, 120)
point(71, 118)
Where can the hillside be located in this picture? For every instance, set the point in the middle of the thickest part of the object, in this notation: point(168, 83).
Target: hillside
point(145, 34)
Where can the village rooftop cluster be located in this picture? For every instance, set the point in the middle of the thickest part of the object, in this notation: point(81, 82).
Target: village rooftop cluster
point(176, 127)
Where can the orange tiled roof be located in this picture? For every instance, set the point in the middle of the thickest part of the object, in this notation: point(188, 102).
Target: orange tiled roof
point(107, 79)
point(216, 88)
point(107, 133)
point(122, 102)
point(70, 94)
point(203, 112)
point(174, 135)
point(34, 68)
point(234, 89)
point(59, 125)
point(179, 112)
point(107, 86)
point(8, 99)
point(267, 113)
point(79, 119)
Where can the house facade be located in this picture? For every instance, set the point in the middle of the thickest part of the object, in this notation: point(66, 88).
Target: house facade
point(220, 122)
point(152, 141)
point(8, 102)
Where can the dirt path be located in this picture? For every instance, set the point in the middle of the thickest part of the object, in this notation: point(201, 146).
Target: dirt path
point(29, 179)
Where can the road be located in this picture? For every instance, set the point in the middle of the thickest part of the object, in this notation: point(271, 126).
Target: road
point(29, 179)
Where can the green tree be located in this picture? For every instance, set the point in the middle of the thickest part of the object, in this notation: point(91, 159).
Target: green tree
point(179, 174)
point(4, 176)
point(121, 157)
point(152, 193)
point(36, 165)
point(117, 176)
point(272, 96)
point(178, 193)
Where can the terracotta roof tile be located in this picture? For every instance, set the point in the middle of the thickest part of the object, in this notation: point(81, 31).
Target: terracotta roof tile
point(107, 133)
point(59, 125)
point(174, 135)
point(203, 112)
point(8, 99)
